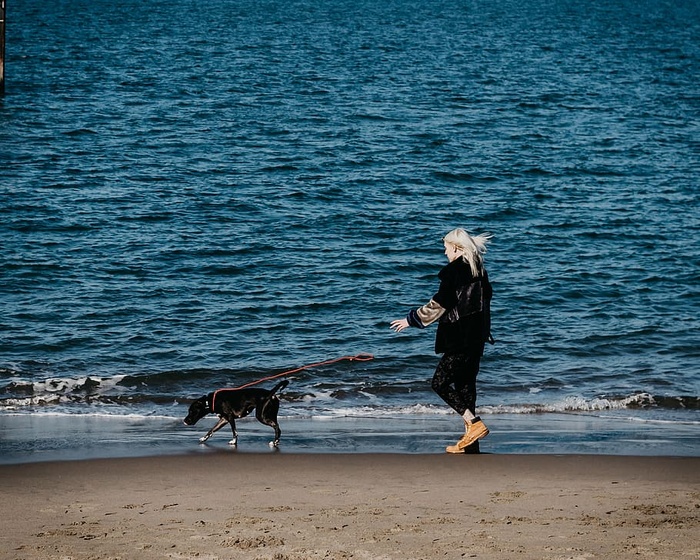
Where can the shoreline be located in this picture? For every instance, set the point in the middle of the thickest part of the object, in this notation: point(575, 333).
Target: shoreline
point(28, 438)
point(261, 506)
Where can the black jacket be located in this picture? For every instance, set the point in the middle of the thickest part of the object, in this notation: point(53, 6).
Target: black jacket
point(466, 324)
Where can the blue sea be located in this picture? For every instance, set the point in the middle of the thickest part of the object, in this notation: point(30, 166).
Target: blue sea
point(201, 195)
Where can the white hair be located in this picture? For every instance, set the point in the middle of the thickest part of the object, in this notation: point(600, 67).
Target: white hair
point(472, 248)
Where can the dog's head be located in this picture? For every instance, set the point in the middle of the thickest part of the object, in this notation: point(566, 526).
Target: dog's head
point(198, 410)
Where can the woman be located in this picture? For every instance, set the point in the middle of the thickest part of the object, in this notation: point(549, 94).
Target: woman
point(462, 307)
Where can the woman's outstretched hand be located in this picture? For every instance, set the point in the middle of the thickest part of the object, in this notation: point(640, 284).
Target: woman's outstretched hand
point(399, 324)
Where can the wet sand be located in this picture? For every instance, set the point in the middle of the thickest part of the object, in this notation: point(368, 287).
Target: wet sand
point(28, 438)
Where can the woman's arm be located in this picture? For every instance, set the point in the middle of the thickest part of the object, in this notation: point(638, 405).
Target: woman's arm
point(420, 318)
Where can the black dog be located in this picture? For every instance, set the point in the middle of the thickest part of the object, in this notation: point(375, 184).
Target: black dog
point(231, 404)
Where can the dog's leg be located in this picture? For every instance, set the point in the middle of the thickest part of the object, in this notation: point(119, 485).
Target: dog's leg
point(234, 441)
point(220, 424)
point(278, 433)
point(267, 414)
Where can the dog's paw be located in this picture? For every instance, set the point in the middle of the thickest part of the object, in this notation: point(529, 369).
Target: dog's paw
point(274, 444)
point(233, 442)
point(203, 439)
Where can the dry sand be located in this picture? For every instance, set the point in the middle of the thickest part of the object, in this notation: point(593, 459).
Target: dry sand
point(310, 506)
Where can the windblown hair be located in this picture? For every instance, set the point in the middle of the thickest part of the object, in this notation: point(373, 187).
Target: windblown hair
point(472, 248)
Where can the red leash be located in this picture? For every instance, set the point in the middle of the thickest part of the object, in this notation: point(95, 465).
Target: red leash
point(357, 358)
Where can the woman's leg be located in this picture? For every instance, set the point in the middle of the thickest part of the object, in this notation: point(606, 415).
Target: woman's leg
point(465, 383)
point(455, 381)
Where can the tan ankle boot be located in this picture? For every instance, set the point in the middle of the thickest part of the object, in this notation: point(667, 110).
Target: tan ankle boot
point(476, 430)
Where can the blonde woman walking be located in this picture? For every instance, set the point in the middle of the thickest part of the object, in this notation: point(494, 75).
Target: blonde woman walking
point(462, 309)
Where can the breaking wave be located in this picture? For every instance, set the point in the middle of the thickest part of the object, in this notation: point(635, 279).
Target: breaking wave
point(166, 394)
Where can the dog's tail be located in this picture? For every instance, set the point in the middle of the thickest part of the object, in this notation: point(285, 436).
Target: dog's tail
point(281, 385)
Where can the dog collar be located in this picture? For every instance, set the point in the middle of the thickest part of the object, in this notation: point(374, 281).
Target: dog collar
point(213, 398)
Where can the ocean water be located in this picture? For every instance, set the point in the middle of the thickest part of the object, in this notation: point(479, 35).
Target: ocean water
point(196, 196)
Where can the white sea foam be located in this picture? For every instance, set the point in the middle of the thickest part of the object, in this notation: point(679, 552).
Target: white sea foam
point(381, 411)
point(571, 404)
point(106, 414)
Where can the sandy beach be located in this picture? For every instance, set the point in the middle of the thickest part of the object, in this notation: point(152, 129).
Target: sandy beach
point(281, 506)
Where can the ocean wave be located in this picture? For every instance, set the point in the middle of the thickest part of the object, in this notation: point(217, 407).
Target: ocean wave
point(381, 411)
point(336, 396)
point(641, 401)
point(580, 404)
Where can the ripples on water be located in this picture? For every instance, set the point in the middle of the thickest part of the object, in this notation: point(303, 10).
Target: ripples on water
point(198, 193)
